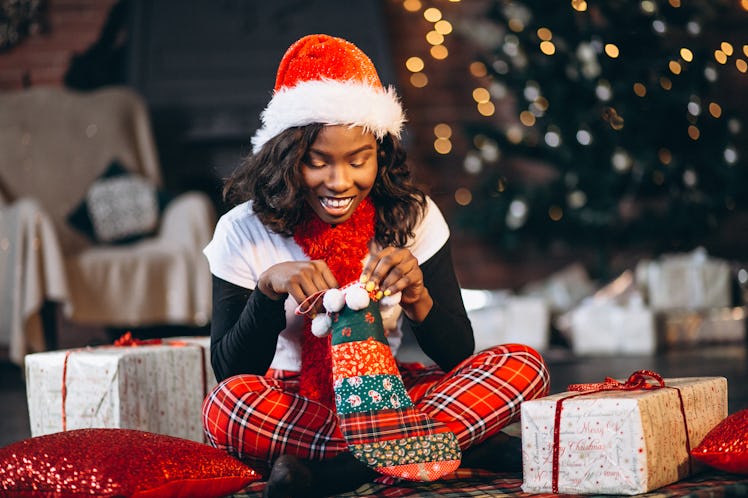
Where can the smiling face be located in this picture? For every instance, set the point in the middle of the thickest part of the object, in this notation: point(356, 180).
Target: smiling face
point(339, 171)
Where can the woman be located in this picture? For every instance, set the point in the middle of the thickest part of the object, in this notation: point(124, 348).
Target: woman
point(326, 199)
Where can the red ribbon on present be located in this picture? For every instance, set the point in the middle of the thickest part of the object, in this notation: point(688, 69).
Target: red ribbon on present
point(637, 381)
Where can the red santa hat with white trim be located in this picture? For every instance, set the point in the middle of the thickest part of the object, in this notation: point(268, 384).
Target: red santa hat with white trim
point(329, 80)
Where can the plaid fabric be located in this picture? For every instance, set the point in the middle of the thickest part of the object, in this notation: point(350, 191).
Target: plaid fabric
point(466, 483)
point(388, 424)
point(483, 394)
point(260, 418)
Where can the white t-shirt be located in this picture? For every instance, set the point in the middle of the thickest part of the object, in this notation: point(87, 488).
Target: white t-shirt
point(242, 248)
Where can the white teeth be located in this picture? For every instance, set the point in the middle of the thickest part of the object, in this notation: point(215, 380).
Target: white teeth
point(333, 202)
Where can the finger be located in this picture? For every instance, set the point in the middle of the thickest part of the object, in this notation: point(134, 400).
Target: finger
point(401, 278)
point(324, 276)
point(380, 265)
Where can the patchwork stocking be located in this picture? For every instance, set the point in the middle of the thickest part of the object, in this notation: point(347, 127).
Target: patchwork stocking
point(377, 417)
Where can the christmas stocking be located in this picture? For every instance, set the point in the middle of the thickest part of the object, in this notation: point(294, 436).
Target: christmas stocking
point(377, 417)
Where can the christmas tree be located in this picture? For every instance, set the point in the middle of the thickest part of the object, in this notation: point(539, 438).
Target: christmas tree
point(617, 131)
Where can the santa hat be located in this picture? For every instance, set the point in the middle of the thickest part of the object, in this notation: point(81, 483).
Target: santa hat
point(329, 80)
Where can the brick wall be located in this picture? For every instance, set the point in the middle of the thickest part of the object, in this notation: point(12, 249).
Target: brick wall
point(42, 59)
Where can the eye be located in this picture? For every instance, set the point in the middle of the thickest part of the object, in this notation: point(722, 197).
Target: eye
point(315, 163)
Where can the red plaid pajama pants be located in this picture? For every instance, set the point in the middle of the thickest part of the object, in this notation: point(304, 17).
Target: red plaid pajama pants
point(258, 418)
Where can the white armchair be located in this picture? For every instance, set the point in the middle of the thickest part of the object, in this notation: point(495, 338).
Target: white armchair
point(55, 144)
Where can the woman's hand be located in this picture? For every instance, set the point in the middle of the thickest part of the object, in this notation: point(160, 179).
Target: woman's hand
point(299, 279)
point(395, 270)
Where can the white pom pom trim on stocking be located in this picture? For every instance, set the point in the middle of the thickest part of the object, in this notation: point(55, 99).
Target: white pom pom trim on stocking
point(321, 325)
point(356, 297)
point(391, 300)
point(333, 300)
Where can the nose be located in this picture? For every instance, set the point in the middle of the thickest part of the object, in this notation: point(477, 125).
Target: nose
point(339, 178)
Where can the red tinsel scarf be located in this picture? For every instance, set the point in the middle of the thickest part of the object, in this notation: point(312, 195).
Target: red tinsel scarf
point(343, 247)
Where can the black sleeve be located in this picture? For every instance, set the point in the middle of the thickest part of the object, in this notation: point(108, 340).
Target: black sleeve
point(446, 335)
point(244, 330)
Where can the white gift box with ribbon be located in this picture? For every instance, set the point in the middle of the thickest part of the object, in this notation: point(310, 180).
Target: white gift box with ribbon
point(156, 388)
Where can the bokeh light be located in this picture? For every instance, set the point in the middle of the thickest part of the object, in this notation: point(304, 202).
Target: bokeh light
point(432, 14)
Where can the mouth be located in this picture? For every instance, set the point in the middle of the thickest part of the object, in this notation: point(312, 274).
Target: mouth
point(336, 206)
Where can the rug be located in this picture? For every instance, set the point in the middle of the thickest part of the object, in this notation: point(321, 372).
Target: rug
point(467, 483)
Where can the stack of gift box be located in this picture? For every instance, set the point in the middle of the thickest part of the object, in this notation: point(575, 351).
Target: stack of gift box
point(675, 301)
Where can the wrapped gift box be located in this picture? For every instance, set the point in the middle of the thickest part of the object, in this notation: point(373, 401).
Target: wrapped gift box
point(156, 388)
point(618, 442)
point(203, 342)
point(607, 328)
point(690, 328)
point(498, 317)
point(685, 281)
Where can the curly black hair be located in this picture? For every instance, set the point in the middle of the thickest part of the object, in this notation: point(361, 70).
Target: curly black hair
point(272, 179)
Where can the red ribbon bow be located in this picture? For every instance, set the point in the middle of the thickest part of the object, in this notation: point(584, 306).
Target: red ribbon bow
point(127, 339)
point(636, 381)
point(639, 380)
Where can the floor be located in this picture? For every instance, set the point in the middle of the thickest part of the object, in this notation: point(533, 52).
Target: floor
point(730, 361)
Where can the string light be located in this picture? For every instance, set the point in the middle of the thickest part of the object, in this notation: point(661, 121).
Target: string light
point(741, 65)
point(665, 83)
point(686, 54)
point(693, 132)
point(715, 109)
point(584, 137)
point(414, 64)
point(674, 67)
point(481, 95)
point(514, 134)
point(463, 196)
point(726, 48)
point(419, 80)
point(547, 47)
point(516, 25)
point(581, 5)
point(731, 155)
point(611, 50)
point(439, 52)
point(443, 130)
point(432, 14)
point(648, 6)
point(640, 90)
point(674, 3)
point(412, 5)
point(486, 108)
point(744, 4)
point(720, 56)
point(665, 156)
point(527, 118)
point(442, 145)
point(443, 27)
point(745, 47)
point(555, 213)
point(434, 38)
point(544, 34)
point(478, 69)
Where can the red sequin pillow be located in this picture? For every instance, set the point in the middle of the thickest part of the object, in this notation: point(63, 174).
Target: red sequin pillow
point(725, 447)
point(118, 462)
